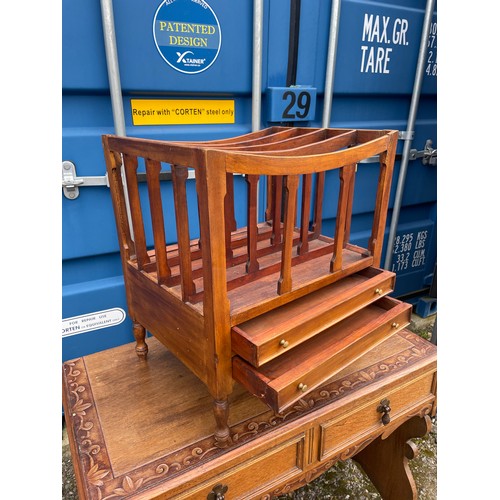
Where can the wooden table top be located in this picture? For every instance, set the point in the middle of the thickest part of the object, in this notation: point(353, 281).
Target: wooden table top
point(153, 419)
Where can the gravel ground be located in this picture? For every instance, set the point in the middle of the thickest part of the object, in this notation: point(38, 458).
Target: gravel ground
point(345, 480)
point(68, 474)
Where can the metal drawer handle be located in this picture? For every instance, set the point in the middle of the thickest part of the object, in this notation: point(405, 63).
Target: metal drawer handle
point(284, 343)
point(217, 492)
point(395, 325)
point(378, 291)
point(384, 408)
point(302, 387)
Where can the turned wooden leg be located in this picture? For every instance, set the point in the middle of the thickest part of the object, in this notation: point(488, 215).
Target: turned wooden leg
point(222, 433)
point(385, 461)
point(141, 348)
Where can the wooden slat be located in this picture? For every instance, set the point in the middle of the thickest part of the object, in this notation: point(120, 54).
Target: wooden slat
point(318, 204)
point(229, 214)
point(252, 262)
point(179, 177)
point(278, 135)
point(345, 175)
point(333, 142)
point(241, 139)
point(305, 213)
point(114, 170)
point(382, 201)
point(269, 198)
point(276, 209)
point(299, 137)
point(265, 136)
point(131, 163)
point(285, 280)
point(153, 168)
point(350, 200)
point(229, 203)
point(198, 204)
point(378, 227)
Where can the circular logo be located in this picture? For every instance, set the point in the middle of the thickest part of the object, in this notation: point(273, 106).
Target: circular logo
point(187, 34)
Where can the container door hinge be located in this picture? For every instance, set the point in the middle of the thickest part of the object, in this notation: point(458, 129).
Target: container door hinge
point(406, 135)
point(428, 154)
point(403, 135)
point(71, 183)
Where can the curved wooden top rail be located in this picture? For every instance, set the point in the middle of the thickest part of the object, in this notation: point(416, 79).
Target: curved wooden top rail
point(154, 149)
point(263, 133)
point(296, 162)
point(320, 141)
point(277, 152)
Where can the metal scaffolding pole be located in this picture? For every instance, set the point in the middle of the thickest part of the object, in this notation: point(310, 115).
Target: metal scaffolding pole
point(108, 25)
point(258, 15)
point(330, 65)
point(115, 87)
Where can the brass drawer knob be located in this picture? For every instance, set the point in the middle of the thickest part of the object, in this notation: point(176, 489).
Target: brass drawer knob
point(302, 387)
point(284, 343)
point(217, 492)
point(384, 408)
point(378, 291)
point(395, 325)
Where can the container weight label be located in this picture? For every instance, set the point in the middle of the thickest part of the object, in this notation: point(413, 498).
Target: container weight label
point(380, 34)
point(431, 65)
point(409, 251)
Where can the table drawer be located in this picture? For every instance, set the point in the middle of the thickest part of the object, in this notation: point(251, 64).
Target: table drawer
point(287, 378)
point(272, 467)
point(262, 339)
point(346, 430)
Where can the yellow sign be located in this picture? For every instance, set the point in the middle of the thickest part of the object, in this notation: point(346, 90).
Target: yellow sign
point(181, 112)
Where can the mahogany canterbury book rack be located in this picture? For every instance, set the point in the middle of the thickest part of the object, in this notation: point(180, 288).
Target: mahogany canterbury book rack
point(279, 304)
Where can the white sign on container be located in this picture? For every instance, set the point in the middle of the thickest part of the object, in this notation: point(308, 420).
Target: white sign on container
point(92, 321)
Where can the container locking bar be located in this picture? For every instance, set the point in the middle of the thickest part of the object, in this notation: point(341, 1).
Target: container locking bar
point(403, 135)
point(71, 183)
point(428, 154)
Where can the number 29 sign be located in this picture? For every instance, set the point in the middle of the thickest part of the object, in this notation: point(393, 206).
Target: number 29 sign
point(291, 104)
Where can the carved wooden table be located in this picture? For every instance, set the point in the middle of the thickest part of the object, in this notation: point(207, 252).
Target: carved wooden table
point(143, 428)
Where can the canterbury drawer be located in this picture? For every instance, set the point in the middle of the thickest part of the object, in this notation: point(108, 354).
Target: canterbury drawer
point(290, 376)
point(349, 429)
point(262, 339)
point(274, 466)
